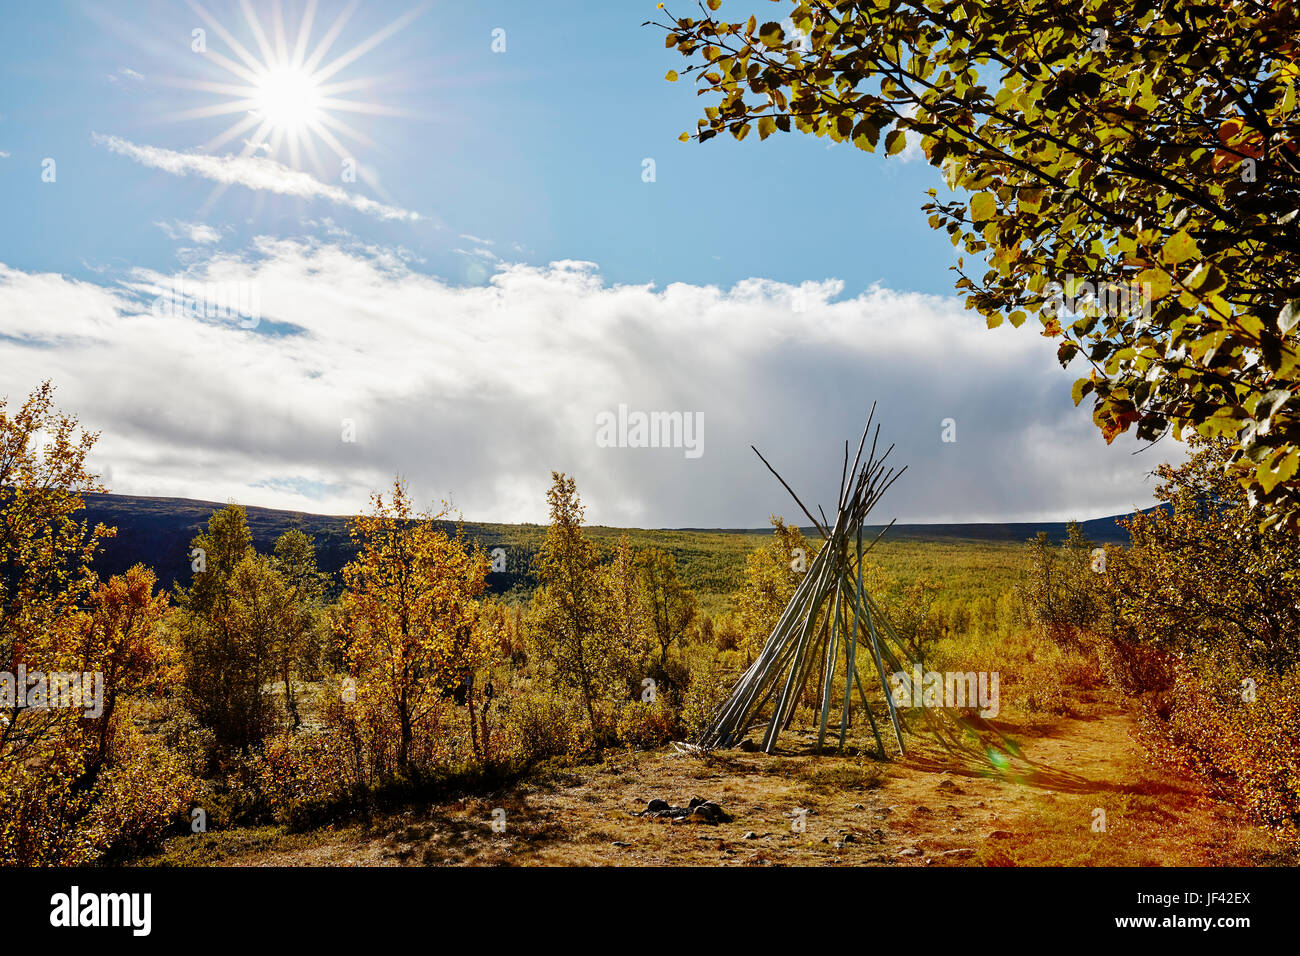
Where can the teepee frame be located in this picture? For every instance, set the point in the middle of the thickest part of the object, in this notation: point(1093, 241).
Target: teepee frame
point(830, 616)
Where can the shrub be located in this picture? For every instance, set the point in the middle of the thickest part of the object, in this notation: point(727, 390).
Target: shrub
point(41, 812)
point(727, 633)
point(53, 814)
point(710, 683)
point(364, 735)
point(646, 725)
point(1062, 592)
point(145, 793)
point(303, 778)
point(1034, 672)
point(1135, 668)
point(539, 725)
point(1247, 750)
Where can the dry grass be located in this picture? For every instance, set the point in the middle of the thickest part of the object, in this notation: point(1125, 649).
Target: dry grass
point(922, 811)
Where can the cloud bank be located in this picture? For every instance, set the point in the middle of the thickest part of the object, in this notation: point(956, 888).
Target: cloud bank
point(477, 393)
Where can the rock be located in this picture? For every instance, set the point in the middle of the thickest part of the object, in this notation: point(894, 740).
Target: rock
point(710, 812)
point(698, 810)
point(958, 854)
point(849, 838)
point(747, 745)
point(999, 835)
point(750, 835)
point(620, 843)
point(909, 851)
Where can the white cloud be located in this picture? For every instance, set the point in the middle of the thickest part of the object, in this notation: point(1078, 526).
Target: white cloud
point(912, 151)
point(193, 231)
point(478, 392)
point(253, 172)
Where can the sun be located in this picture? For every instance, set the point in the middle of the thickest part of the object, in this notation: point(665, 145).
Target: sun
point(286, 92)
point(288, 99)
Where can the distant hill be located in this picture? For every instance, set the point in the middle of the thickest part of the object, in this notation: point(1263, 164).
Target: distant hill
point(1100, 530)
point(157, 532)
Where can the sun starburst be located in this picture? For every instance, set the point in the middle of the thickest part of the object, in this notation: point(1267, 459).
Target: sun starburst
point(287, 97)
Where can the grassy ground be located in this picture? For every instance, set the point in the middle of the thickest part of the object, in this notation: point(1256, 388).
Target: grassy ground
point(927, 810)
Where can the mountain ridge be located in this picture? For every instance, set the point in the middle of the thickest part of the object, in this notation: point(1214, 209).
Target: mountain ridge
point(158, 532)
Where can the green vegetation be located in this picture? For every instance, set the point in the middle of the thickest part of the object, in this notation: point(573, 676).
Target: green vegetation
point(1146, 216)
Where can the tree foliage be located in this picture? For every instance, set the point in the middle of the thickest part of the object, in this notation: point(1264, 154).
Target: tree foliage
point(772, 573)
point(1064, 590)
point(45, 551)
point(298, 647)
point(61, 760)
point(629, 629)
point(574, 628)
point(117, 636)
point(669, 604)
point(1202, 578)
point(232, 617)
point(1146, 147)
point(409, 618)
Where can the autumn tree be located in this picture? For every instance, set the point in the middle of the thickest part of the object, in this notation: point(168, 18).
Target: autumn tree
point(1133, 173)
point(45, 551)
point(627, 619)
point(908, 603)
point(1202, 578)
point(570, 614)
point(1063, 589)
point(298, 648)
point(45, 575)
point(670, 604)
point(232, 617)
point(409, 614)
point(772, 573)
point(117, 636)
point(57, 619)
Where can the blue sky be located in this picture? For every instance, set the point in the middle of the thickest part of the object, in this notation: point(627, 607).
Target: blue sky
point(499, 274)
point(541, 145)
